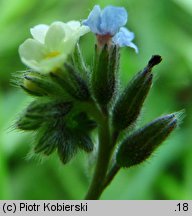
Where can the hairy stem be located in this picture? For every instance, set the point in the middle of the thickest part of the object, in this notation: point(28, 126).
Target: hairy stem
point(104, 155)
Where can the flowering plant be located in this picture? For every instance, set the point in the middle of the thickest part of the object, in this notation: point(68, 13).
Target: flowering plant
point(72, 99)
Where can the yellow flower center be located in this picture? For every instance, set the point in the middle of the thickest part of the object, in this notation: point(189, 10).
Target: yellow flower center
point(52, 54)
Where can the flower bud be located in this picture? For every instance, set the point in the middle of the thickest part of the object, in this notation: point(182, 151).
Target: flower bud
point(39, 85)
point(129, 104)
point(31, 88)
point(104, 74)
point(137, 147)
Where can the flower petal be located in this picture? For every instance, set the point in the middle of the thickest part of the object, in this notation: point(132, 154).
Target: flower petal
point(31, 50)
point(94, 20)
point(76, 26)
point(132, 45)
point(112, 18)
point(124, 38)
point(32, 64)
point(69, 41)
point(126, 33)
point(48, 65)
point(67, 46)
point(39, 31)
point(73, 30)
point(55, 35)
point(83, 30)
point(51, 45)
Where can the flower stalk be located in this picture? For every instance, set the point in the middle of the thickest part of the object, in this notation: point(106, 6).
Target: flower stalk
point(104, 155)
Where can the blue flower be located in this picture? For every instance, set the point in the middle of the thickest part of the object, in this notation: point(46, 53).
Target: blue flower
point(124, 38)
point(108, 24)
point(107, 21)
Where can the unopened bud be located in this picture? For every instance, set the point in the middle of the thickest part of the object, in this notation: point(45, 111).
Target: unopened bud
point(31, 88)
point(40, 85)
point(130, 102)
point(137, 147)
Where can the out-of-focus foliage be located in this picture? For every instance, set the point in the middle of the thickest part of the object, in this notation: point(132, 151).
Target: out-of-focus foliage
point(161, 27)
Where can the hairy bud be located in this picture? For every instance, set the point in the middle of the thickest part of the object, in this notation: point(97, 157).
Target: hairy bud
point(137, 147)
point(129, 104)
point(40, 85)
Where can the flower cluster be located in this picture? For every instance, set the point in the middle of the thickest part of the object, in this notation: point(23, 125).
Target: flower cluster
point(51, 45)
point(71, 99)
point(58, 74)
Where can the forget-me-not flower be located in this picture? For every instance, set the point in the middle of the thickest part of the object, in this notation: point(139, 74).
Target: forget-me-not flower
point(50, 45)
point(108, 24)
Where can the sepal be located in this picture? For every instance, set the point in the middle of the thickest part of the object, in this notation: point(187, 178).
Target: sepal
point(72, 82)
point(85, 142)
point(27, 124)
point(103, 78)
point(66, 135)
point(79, 63)
point(85, 124)
point(55, 135)
point(41, 111)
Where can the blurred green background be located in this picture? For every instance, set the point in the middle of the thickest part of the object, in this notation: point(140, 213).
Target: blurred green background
point(161, 27)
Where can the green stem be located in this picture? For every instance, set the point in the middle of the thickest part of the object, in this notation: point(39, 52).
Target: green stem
point(104, 155)
point(115, 168)
point(110, 176)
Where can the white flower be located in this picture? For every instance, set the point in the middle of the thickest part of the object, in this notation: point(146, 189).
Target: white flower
point(50, 45)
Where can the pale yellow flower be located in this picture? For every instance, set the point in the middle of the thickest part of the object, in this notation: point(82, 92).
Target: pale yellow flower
point(50, 45)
